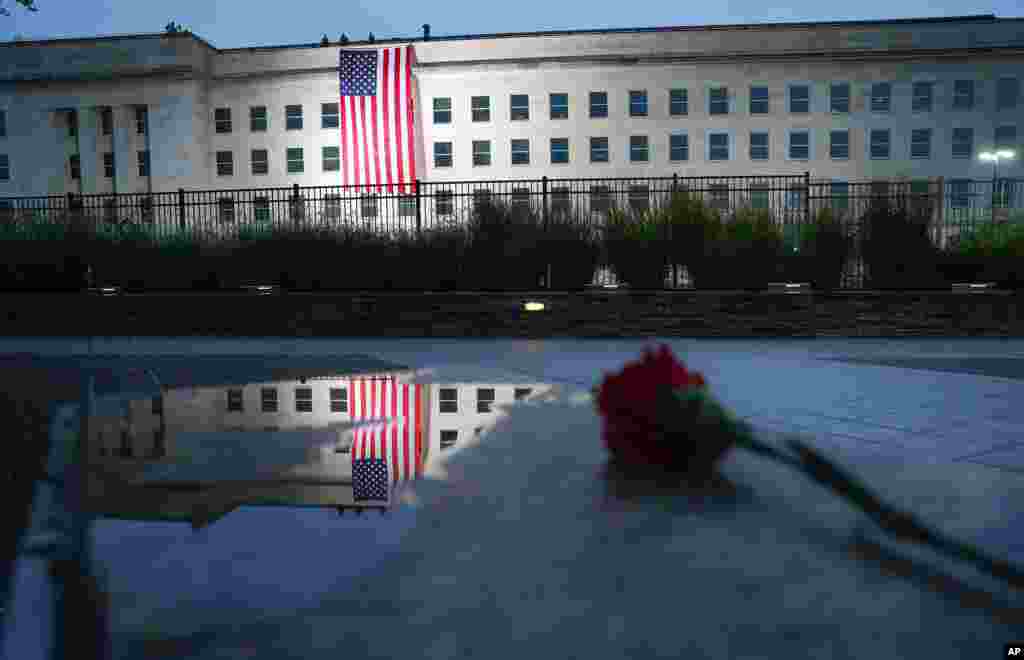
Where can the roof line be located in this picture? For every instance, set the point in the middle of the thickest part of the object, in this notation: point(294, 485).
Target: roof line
point(545, 33)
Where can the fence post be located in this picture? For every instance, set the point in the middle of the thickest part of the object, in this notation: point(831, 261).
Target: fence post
point(181, 208)
point(297, 216)
point(807, 197)
point(419, 207)
point(544, 212)
point(940, 202)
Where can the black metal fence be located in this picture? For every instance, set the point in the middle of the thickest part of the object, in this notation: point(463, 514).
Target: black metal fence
point(952, 205)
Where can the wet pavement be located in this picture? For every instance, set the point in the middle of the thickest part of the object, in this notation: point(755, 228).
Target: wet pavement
point(242, 533)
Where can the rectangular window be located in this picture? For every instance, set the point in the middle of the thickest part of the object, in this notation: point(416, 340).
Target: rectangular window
point(143, 158)
point(1007, 93)
point(679, 147)
point(443, 110)
point(75, 165)
point(339, 399)
point(258, 118)
point(923, 94)
point(718, 101)
point(880, 144)
point(559, 151)
point(921, 143)
point(260, 164)
point(304, 399)
point(638, 103)
point(519, 107)
point(108, 165)
point(481, 152)
point(225, 163)
point(443, 202)
point(1006, 137)
point(561, 201)
point(368, 206)
point(799, 99)
point(331, 159)
point(520, 152)
point(261, 209)
point(839, 192)
point(5, 167)
point(107, 121)
point(963, 142)
point(448, 438)
point(442, 154)
point(598, 150)
point(639, 198)
point(759, 196)
point(222, 119)
point(718, 146)
point(600, 199)
point(481, 107)
point(963, 94)
point(839, 145)
point(598, 105)
point(799, 145)
point(759, 145)
point(234, 400)
point(293, 117)
point(484, 399)
point(448, 400)
point(839, 98)
point(521, 197)
point(759, 100)
point(3, 124)
point(268, 399)
point(559, 106)
point(295, 164)
point(678, 102)
point(639, 149)
point(407, 206)
point(226, 210)
point(72, 118)
point(141, 120)
point(329, 115)
point(881, 97)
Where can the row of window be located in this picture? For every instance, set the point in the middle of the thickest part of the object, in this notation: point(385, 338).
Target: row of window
point(259, 118)
point(338, 399)
point(106, 121)
point(330, 161)
point(720, 102)
point(109, 166)
point(718, 148)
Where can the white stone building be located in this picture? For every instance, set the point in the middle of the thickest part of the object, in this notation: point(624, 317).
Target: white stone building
point(852, 101)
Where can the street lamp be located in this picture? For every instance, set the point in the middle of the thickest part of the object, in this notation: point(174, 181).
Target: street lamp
point(994, 157)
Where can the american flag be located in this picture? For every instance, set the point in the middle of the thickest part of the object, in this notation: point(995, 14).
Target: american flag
point(377, 141)
point(391, 452)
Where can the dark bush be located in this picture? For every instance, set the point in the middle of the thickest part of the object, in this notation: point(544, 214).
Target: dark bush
point(898, 252)
point(743, 254)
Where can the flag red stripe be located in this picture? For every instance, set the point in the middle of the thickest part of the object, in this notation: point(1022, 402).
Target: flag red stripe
point(405, 427)
point(344, 146)
point(363, 141)
point(385, 107)
point(419, 430)
point(376, 147)
point(351, 112)
point(398, 119)
point(394, 430)
point(409, 96)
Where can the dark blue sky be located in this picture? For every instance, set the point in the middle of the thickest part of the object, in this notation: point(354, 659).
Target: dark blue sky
point(237, 23)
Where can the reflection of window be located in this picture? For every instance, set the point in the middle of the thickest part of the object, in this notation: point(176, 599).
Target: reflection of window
point(406, 206)
point(443, 202)
point(759, 196)
point(303, 399)
point(448, 438)
point(481, 197)
point(339, 400)
point(840, 195)
point(522, 392)
point(226, 210)
point(795, 197)
point(600, 199)
point(719, 196)
point(368, 206)
point(484, 399)
point(449, 400)
point(234, 400)
point(560, 200)
point(520, 197)
point(332, 207)
point(639, 198)
point(268, 399)
point(261, 209)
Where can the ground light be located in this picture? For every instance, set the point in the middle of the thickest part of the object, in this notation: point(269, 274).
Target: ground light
point(532, 306)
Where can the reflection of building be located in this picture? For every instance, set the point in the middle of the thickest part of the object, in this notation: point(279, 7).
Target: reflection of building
point(419, 425)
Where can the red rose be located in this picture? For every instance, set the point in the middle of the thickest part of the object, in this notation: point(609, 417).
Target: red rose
point(643, 424)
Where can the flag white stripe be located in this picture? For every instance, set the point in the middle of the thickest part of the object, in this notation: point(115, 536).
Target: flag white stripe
point(402, 149)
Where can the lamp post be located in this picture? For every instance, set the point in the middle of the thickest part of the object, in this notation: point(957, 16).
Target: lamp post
point(994, 157)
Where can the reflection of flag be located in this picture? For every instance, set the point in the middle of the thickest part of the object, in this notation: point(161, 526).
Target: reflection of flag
point(399, 443)
point(377, 143)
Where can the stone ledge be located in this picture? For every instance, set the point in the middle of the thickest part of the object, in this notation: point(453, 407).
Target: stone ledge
point(619, 313)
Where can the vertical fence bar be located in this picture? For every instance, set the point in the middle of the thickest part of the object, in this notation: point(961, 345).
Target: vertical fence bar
point(544, 212)
point(807, 198)
point(419, 207)
point(181, 209)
